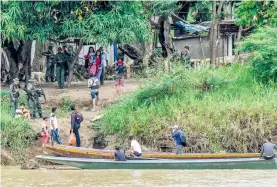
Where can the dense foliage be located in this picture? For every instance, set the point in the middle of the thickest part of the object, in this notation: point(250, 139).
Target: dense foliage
point(15, 133)
point(263, 48)
point(221, 109)
point(256, 13)
point(94, 21)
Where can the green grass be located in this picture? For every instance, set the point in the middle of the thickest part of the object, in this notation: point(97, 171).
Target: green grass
point(220, 109)
point(63, 108)
point(15, 133)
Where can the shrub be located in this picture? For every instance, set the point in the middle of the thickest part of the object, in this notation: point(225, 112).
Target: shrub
point(219, 109)
point(15, 133)
point(263, 48)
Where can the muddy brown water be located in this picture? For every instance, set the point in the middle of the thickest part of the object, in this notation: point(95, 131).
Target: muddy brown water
point(67, 177)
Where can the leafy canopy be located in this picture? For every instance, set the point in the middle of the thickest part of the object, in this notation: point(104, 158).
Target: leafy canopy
point(93, 21)
point(263, 47)
point(256, 13)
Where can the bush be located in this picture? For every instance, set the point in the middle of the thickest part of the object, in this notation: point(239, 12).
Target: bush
point(15, 133)
point(263, 48)
point(221, 109)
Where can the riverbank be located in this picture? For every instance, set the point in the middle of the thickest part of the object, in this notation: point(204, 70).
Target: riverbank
point(220, 109)
point(21, 138)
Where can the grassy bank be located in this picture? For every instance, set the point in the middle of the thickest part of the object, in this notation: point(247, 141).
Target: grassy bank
point(221, 109)
point(15, 133)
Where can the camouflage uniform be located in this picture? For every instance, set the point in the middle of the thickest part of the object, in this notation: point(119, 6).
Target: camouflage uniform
point(33, 99)
point(50, 65)
point(59, 60)
point(22, 75)
point(69, 56)
point(185, 56)
point(14, 94)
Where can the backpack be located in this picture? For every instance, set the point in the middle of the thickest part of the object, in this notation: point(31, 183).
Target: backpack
point(183, 138)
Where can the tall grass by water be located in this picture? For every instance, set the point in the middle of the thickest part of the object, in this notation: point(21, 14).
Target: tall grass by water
point(220, 109)
point(15, 133)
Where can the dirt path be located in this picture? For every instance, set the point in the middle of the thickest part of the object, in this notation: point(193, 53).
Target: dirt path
point(79, 94)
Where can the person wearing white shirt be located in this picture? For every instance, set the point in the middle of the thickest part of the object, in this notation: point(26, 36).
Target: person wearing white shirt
point(54, 127)
point(135, 147)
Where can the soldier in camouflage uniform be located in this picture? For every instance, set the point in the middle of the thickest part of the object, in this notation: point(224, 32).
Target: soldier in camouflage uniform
point(59, 60)
point(185, 56)
point(50, 65)
point(22, 75)
point(14, 94)
point(33, 94)
point(70, 57)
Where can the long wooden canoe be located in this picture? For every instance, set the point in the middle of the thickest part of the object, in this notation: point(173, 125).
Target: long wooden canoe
point(76, 152)
point(234, 163)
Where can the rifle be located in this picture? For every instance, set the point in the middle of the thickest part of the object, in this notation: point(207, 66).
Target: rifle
point(29, 95)
point(15, 93)
point(40, 91)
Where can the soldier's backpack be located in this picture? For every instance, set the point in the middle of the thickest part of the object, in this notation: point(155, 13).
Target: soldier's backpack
point(183, 138)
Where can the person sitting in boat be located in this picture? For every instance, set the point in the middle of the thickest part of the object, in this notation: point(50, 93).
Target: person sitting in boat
point(267, 150)
point(119, 155)
point(179, 138)
point(135, 147)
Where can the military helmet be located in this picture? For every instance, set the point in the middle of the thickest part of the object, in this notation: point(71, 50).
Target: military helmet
point(59, 49)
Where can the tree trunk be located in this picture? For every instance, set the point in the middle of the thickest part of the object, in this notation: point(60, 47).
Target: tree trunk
point(70, 76)
point(14, 55)
point(148, 49)
point(238, 40)
point(214, 32)
point(25, 56)
point(166, 41)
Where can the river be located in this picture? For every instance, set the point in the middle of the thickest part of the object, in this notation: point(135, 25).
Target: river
point(66, 177)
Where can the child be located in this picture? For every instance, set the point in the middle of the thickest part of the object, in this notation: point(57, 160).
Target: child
point(119, 82)
point(44, 134)
point(93, 83)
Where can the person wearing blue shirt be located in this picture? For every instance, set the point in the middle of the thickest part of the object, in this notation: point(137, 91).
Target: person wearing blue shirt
point(176, 135)
point(104, 63)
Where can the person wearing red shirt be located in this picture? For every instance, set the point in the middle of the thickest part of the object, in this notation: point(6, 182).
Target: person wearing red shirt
point(98, 64)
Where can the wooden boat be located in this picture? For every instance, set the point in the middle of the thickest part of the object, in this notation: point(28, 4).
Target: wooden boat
point(77, 152)
point(234, 163)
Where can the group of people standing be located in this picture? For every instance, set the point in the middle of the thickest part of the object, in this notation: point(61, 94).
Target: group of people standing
point(96, 64)
point(50, 128)
point(59, 65)
point(33, 93)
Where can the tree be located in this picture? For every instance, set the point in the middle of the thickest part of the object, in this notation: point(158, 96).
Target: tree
point(253, 14)
point(256, 13)
point(90, 21)
point(217, 11)
point(263, 48)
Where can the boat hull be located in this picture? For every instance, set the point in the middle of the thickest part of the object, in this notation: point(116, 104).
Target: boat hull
point(195, 164)
point(76, 152)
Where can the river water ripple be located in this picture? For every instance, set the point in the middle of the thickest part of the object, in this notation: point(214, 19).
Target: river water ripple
point(67, 177)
